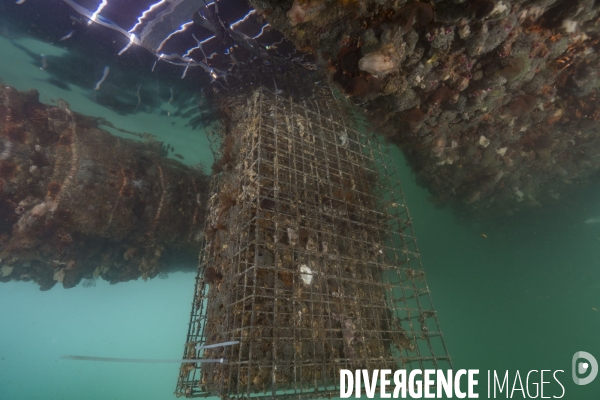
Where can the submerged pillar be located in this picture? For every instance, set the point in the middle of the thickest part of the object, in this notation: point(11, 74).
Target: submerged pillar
point(310, 261)
point(79, 203)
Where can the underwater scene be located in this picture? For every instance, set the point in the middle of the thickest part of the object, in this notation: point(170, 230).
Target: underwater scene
point(299, 199)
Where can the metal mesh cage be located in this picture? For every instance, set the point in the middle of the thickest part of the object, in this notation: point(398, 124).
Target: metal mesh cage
point(310, 259)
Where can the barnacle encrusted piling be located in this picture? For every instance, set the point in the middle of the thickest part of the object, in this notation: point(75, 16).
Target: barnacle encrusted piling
point(79, 203)
point(318, 264)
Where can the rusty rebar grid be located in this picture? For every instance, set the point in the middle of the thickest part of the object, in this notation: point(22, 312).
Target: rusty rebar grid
point(310, 258)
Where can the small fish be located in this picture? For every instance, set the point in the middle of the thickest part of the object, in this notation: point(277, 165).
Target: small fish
point(178, 156)
point(595, 309)
point(593, 220)
point(20, 1)
point(483, 235)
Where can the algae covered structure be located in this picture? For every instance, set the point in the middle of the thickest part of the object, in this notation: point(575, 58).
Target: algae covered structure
point(493, 103)
point(310, 260)
point(78, 203)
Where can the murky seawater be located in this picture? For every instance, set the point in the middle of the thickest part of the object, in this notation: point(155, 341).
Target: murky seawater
point(516, 293)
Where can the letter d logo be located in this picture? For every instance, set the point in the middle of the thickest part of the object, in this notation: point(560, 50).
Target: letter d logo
point(583, 367)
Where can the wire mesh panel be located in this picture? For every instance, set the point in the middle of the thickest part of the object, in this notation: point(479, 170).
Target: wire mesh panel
point(310, 260)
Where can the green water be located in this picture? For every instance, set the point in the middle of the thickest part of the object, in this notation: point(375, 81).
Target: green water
point(524, 298)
